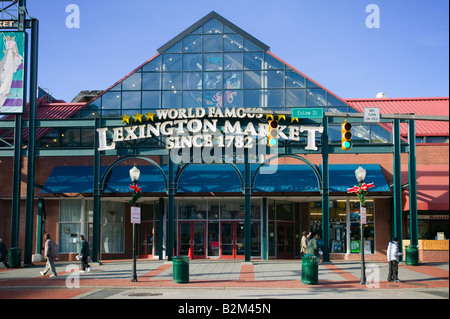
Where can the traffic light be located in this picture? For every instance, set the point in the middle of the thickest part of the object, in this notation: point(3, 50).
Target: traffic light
point(346, 136)
point(273, 133)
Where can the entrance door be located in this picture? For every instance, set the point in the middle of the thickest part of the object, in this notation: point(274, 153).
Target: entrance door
point(193, 236)
point(146, 240)
point(232, 239)
point(285, 240)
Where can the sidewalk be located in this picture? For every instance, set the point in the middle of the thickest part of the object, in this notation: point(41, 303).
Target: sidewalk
point(273, 274)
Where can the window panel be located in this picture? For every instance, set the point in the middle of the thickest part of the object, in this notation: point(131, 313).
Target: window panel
point(253, 61)
point(172, 62)
point(111, 100)
point(311, 84)
point(212, 43)
point(295, 97)
point(275, 98)
point(151, 81)
point(212, 80)
point(232, 80)
point(253, 98)
point(252, 79)
point(150, 100)
point(233, 42)
point(131, 100)
point(212, 98)
point(275, 79)
point(192, 99)
point(171, 99)
point(249, 46)
point(294, 80)
point(233, 98)
point(71, 137)
point(192, 62)
point(316, 97)
point(172, 81)
point(233, 61)
point(153, 65)
point(212, 62)
point(176, 48)
point(192, 80)
point(212, 26)
point(273, 63)
point(332, 100)
point(133, 82)
point(192, 43)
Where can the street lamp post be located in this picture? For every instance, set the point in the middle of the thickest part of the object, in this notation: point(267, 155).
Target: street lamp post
point(361, 191)
point(360, 174)
point(134, 175)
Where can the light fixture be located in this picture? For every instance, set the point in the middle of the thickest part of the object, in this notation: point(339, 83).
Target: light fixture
point(134, 174)
point(360, 174)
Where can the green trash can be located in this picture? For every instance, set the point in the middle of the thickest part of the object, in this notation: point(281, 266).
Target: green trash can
point(310, 270)
point(15, 256)
point(180, 269)
point(412, 255)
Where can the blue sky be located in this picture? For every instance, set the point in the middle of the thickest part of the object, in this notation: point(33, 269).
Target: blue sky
point(407, 56)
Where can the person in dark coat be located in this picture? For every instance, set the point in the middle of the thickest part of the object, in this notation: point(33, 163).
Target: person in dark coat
point(314, 246)
point(3, 253)
point(83, 253)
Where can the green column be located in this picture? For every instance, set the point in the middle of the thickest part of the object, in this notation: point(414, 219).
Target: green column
point(29, 214)
point(160, 228)
point(248, 208)
point(412, 184)
point(41, 211)
point(265, 216)
point(171, 211)
point(96, 196)
point(325, 193)
point(397, 214)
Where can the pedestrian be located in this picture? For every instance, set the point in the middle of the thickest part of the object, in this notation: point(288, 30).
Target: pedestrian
point(83, 253)
point(304, 243)
point(50, 253)
point(313, 246)
point(393, 254)
point(3, 253)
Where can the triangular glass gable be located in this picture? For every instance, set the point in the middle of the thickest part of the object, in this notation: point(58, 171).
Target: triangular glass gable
point(214, 63)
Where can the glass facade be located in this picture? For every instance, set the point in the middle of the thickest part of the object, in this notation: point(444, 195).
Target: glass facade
point(213, 66)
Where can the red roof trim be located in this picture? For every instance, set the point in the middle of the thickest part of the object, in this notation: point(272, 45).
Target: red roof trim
point(385, 99)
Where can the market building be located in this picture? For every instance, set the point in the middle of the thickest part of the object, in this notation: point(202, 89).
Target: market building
point(195, 120)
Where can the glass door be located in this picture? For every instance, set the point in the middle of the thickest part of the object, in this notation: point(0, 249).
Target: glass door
point(232, 239)
point(146, 240)
point(285, 240)
point(192, 236)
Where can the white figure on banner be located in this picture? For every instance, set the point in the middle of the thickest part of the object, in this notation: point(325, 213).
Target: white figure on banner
point(8, 66)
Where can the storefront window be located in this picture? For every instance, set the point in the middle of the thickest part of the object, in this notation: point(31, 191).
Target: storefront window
point(70, 222)
point(112, 226)
point(340, 226)
point(355, 228)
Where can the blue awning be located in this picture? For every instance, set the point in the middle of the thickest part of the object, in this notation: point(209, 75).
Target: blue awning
point(342, 177)
point(212, 178)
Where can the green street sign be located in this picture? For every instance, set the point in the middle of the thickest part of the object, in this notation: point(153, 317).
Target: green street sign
point(305, 112)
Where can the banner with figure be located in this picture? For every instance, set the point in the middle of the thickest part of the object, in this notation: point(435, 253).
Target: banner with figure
point(12, 58)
